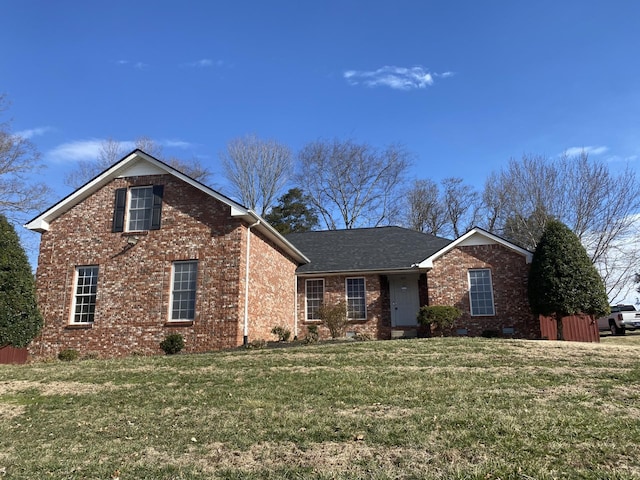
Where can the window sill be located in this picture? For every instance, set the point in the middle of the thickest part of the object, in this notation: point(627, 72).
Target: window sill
point(79, 326)
point(179, 323)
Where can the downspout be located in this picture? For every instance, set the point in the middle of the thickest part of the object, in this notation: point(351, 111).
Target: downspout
point(295, 307)
point(245, 339)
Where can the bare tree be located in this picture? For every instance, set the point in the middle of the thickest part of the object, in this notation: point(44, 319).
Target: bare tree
point(353, 184)
point(598, 206)
point(111, 151)
point(461, 203)
point(19, 160)
point(257, 169)
point(425, 210)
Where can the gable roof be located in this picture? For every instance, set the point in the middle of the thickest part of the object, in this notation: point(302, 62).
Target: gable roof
point(139, 163)
point(476, 236)
point(365, 249)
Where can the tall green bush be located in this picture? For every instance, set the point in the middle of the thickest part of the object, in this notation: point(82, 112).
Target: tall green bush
point(20, 319)
point(562, 279)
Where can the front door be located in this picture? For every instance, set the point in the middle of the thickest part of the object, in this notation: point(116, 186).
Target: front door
point(405, 301)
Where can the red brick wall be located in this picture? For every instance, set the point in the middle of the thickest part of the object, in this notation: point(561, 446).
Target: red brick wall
point(448, 284)
point(271, 289)
point(378, 322)
point(132, 305)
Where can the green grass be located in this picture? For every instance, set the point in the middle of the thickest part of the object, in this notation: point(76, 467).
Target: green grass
point(432, 408)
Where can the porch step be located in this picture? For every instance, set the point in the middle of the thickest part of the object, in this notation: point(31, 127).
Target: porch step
point(404, 333)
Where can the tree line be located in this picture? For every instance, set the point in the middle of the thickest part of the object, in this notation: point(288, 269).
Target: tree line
point(343, 183)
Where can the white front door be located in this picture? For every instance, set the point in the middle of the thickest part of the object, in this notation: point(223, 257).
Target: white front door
point(405, 300)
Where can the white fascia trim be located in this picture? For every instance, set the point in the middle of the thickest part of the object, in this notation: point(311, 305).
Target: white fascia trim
point(428, 262)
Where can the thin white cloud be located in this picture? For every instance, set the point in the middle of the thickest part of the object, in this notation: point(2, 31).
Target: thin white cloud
point(589, 150)
point(136, 65)
point(76, 150)
point(205, 62)
point(33, 132)
point(618, 158)
point(172, 143)
point(397, 78)
point(90, 149)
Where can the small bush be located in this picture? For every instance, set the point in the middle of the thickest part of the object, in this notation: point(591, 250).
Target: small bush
point(334, 317)
point(363, 337)
point(68, 355)
point(282, 333)
point(440, 316)
point(312, 334)
point(172, 344)
point(256, 344)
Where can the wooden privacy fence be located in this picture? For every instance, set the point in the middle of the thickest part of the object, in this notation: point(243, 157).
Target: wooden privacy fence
point(9, 354)
point(575, 328)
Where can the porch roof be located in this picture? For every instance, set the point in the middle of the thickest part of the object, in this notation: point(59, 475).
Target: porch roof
point(365, 249)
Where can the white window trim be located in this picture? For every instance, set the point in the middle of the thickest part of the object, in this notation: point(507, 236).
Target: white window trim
point(172, 282)
point(72, 316)
point(127, 212)
point(306, 297)
point(493, 302)
point(346, 297)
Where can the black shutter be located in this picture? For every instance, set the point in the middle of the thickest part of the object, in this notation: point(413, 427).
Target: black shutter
point(157, 206)
point(119, 209)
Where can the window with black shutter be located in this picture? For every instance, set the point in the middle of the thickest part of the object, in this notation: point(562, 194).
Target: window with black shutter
point(139, 208)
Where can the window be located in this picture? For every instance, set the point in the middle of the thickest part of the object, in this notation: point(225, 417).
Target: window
point(140, 203)
point(84, 299)
point(183, 291)
point(356, 301)
point(143, 210)
point(315, 296)
point(481, 292)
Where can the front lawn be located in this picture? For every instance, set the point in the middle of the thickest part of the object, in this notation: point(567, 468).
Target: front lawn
point(426, 408)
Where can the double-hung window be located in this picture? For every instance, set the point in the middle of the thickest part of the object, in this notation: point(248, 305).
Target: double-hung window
point(356, 299)
point(137, 208)
point(314, 297)
point(481, 292)
point(84, 298)
point(183, 291)
point(140, 208)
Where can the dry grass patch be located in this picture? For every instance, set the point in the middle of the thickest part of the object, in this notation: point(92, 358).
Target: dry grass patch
point(55, 387)
point(426, 408)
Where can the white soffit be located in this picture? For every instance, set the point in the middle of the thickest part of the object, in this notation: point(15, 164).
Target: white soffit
point(141, 168)
point(476, 240)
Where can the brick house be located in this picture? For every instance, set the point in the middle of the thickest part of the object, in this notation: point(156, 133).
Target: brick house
point(142, 251)
point(386, 274)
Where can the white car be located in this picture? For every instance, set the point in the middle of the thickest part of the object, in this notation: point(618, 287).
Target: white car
point(621, 318)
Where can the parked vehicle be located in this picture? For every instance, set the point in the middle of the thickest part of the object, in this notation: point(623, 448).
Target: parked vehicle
point(621, 318)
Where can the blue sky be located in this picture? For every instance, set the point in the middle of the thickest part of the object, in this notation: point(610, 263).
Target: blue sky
point(464, 85)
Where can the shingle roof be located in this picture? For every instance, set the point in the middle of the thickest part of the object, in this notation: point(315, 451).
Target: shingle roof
point(364, 249)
